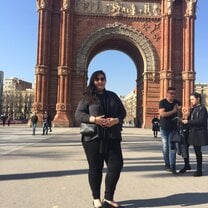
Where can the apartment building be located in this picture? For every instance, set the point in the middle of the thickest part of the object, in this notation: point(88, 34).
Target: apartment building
point(18, 98)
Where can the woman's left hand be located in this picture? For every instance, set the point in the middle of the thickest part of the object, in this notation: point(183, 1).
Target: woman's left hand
point(111, 122)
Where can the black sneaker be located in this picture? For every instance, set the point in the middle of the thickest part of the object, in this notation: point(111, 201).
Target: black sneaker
point(173, 171)
point(184, 169)
point(197, 174)
point(167, 168)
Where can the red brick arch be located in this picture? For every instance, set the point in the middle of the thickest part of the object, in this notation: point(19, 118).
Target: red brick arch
point(124, 33)
point(157, 34)
point(118, 36)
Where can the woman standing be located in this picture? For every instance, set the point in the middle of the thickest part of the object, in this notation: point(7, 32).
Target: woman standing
point(104, 109)
point(197, 122)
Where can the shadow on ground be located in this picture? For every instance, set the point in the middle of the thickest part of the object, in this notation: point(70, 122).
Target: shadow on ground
point(182, 200)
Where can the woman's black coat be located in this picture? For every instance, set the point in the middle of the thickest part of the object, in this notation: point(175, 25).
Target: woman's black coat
point(198, 126)
point(115, 109)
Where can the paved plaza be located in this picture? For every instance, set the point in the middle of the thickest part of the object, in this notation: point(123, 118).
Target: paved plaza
point(51, 172)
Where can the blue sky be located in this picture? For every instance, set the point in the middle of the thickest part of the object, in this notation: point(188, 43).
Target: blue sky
point(18, 45)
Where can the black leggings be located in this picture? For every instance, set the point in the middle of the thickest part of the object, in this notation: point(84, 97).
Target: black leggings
point(114, 161)
point(197, 150)
point(198, 153)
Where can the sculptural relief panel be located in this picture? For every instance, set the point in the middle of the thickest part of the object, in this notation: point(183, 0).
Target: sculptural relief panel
point(42, 4)
point(66, 4)
point(118, 8)
point(191, 7)
point(153, 29)
point(170, 6)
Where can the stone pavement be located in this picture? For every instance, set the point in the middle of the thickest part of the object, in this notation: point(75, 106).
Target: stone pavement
point(51, 172)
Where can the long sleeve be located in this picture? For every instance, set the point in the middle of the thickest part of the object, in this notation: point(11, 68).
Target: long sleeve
point(199, 117)
point(82, 111)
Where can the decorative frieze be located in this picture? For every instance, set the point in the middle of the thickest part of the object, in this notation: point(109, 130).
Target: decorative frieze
point(42, 4)
point(154, 30)
point(41, 70)
point(190, 7)
point(169, 6)
point(189, 75)
point(166, 75)
point(66, 4)
point(38, 106)
point(118, 8)
point(152, 76)
point(63, 70)
point(60, 106)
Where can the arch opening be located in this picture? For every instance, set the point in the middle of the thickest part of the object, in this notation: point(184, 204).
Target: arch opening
point(121, 45)
point(121, 78)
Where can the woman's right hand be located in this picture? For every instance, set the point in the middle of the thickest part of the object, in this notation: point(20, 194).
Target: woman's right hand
point(99, 120)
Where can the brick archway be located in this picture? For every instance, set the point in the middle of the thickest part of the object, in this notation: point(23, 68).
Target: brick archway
point(157, 34)
point(118, 31)
point(141, 51)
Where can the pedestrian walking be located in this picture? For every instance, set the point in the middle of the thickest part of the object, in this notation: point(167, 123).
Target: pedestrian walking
point(3, 118)
point(168, 110)
point(155, 125)
point(104, 110)
point(34, 120)
point(45, 123)
point(49, 122)
point(9, 118)
point(197, 122)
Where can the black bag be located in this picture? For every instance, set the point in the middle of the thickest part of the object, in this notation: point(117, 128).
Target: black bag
point(87, 129)
point(176, 136)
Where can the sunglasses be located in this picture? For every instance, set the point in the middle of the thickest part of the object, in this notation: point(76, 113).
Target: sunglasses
point(172, 93)
point(102, 79)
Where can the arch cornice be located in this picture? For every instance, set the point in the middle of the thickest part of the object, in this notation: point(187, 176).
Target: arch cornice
point(122, 31)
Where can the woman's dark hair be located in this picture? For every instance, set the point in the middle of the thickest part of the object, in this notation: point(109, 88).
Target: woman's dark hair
point(91, 89)
point(197, 96)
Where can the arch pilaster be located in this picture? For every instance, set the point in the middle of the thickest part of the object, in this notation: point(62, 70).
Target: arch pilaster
point(63, 107)
point(188, 74)
point(43, 54)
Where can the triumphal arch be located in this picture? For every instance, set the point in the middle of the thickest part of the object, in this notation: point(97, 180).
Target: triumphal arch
point(158, 35)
